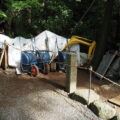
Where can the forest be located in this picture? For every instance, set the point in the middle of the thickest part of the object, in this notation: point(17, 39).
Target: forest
point(97, 20)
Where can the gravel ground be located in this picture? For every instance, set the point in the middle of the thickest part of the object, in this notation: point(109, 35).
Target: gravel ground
point(28, 98)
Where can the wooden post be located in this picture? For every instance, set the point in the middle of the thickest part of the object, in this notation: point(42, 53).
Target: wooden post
point(71, 73)
point(4, 57)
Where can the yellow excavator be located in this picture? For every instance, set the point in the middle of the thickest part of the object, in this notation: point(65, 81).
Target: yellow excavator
point(84, 41)
point(79, 40)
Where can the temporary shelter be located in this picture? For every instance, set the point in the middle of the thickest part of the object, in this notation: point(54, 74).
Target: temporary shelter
point(44, 41)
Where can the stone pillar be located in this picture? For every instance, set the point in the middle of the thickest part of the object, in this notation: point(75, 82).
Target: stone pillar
point(71, 73)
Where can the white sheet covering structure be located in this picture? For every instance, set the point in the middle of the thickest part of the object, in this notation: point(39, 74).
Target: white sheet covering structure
point(4, 38)
point(19, 44)
point(51, 42)
point(44, 41)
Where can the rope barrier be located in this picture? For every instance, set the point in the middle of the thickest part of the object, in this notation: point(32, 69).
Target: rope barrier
point(90, 82)
point(91, 70)
point(107, 79)
point(85, 68)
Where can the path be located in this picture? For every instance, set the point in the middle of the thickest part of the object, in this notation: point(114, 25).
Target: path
point(28, 98)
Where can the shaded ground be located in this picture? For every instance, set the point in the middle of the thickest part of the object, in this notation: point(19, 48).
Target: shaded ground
point(28, 98)
point(102, 87)
point(105, 89)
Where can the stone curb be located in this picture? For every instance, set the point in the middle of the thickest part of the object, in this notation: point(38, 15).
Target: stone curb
point(103, 110)
point(116, 117)
point(82, 96)
point(100, 108)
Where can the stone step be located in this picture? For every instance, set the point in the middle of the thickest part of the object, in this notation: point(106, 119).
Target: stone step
point(84, 96)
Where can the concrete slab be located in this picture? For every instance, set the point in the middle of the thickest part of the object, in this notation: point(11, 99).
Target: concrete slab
point(103, 110)
point(85, 97)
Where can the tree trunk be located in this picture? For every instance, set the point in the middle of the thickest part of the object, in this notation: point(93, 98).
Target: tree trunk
point(104, 34)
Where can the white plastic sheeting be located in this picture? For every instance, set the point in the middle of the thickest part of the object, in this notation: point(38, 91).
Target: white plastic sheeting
point(19, 44)
point(51, 42)
point(4, 38)
point(44, 41)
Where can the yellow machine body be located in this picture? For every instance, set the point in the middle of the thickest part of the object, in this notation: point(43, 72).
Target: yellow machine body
point(84, 41)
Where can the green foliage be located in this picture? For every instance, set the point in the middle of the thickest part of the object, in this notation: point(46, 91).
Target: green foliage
point(19, 5)
point(2, 14)
point(22, 5)
point(30, 17)
point(57, 16)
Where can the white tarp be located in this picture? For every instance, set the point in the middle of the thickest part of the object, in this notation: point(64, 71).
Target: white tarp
point(51, 42)
point(44, 41)
point(4, 38)
point(19, 44)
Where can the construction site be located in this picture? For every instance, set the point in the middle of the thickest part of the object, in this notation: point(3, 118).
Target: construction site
point(38, 84)
point(59, 60)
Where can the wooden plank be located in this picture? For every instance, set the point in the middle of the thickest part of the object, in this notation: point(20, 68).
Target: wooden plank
point(115, 100)
point(1, 58)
